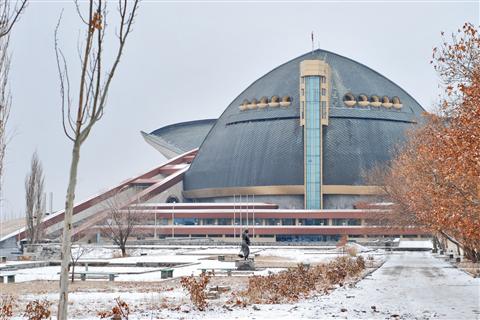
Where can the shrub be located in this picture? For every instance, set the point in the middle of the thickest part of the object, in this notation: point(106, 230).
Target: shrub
point(196, 289)
point(38, 310)
point(361, 262)
point(351, 250)
point(120, 311)
point(299, 282)
point(6, 307)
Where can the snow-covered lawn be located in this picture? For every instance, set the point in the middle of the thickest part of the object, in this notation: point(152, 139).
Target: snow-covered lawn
point(194, 259)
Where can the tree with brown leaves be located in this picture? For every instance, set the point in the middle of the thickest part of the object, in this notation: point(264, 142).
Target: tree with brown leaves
point(434, 179)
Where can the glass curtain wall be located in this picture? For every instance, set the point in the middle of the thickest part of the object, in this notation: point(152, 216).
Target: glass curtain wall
point(313, 146)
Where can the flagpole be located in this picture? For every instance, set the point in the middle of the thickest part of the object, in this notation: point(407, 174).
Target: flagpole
point(312, 43)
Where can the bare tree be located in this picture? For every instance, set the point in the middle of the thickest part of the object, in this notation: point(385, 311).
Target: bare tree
point(9, 15)
point(10, 12)
point(81, 114)
point(34, 183)
point(120, 223)
point(76, 254)
point(5, 102)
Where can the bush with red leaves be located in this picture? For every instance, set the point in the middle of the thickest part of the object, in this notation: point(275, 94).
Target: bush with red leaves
point(38, 310)
point(300, 282)
point(120, 311)
point(6, 307)
point(196, 289)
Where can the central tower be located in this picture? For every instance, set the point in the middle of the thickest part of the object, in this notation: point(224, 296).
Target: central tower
point(314, 109)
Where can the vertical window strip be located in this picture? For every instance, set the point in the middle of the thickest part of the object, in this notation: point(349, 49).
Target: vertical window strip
point(313, 113)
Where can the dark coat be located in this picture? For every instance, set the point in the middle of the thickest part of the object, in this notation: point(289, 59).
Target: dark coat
point(245, 238)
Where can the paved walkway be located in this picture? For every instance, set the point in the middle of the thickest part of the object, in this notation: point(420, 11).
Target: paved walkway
point(412, 285)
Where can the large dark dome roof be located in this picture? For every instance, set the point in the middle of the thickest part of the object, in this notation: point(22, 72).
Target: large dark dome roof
point(264, 147)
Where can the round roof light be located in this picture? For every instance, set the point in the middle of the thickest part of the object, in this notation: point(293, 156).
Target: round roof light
point(397, 104)
point(244, 105)
point(375, 101)
point(386, 102)
point(263, 103)
point(253, 104)
point(363, 100)
point(286, 101)
point(349, 100)
point(274, 101)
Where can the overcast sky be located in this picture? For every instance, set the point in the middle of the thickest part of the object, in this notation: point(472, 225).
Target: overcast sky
point(187, 61)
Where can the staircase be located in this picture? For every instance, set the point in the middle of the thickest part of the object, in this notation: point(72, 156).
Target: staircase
point(93, 210)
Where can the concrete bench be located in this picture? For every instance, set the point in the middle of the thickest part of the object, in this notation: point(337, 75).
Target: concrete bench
point(9, 276)
point(96, 275)
point(166, 273)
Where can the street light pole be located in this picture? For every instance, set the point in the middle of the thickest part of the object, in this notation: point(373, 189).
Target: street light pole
point(240, 220)
point(155, 228)
point(253, 211)
point(173, 220)
point(234, 229)
point(246, 211)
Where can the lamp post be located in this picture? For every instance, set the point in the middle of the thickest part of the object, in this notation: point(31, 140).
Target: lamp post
point(155, 228)
point(246, 211)
point(173, 220)
point(240, 220)
point(233, 221)
point(253, 213)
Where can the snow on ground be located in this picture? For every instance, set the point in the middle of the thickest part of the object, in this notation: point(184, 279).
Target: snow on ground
point(426, 244)
point(358, 247)
point(411, 285)
point(195, 259)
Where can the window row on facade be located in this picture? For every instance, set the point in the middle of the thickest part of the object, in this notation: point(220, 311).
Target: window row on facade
point(258, 222)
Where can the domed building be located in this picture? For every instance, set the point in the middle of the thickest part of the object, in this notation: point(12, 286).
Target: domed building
point(287, 158)
point(302, 136)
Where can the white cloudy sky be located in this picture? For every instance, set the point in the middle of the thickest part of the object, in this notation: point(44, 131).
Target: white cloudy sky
point(188, 60)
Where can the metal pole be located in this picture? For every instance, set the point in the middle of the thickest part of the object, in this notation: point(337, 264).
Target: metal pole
point(44, 204)
point(155, 228)
point(51, 203)
point(173, 221)
point(254, 223)
point(246, 211)
point(234, 228)
point(241, 223)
